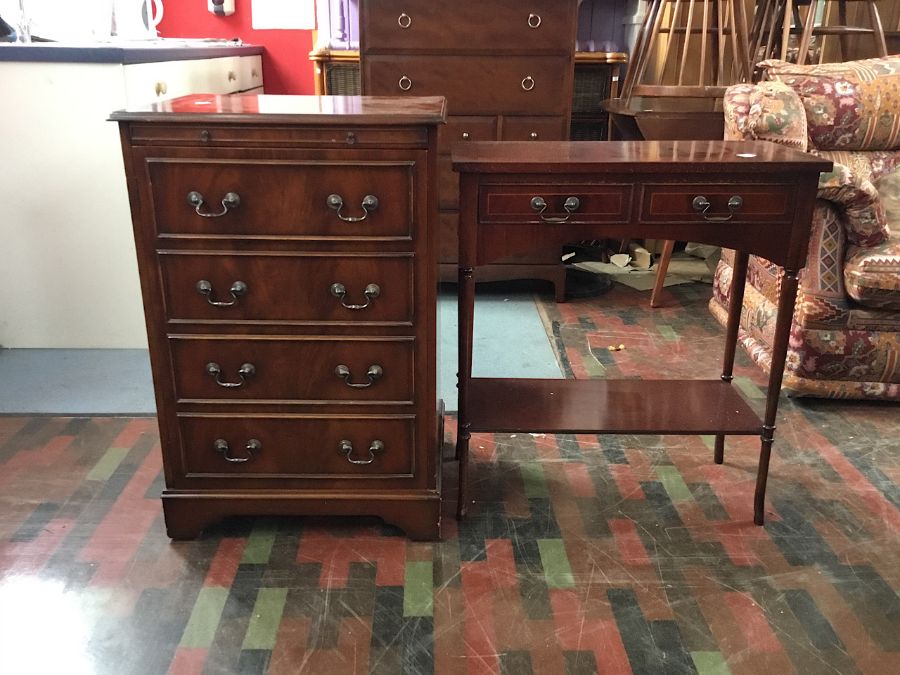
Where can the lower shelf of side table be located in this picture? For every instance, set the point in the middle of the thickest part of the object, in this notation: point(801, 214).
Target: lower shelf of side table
point(609, 406)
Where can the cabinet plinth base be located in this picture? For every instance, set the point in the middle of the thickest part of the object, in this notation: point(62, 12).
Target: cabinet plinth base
point(187, 513)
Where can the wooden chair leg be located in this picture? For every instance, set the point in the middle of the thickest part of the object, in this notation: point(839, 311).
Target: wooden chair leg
point(662, 267)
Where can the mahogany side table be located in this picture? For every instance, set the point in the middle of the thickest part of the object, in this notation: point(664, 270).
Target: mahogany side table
point(755, 197)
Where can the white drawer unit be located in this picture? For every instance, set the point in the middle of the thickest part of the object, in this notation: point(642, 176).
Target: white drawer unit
point(147, 82)
point(68, 274)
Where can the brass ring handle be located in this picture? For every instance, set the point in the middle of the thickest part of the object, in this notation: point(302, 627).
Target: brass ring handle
point(534, 20)
point(372, 291)
point(571, 205)
point(465, 135)
point(251, 446)
point(404, 20)
point(161, 88)
point(369, 204)
point(701, 204)
point(247, 370)
point(231, 76)
point(231, 200)
point(238, 288)
point(533, 136)
point(373, 373)
point(346, 449)
point(528, 83)
point(405, 83)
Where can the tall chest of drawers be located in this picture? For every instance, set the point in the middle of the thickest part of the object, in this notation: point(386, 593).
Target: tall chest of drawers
point(506, 69)
point(289, 281)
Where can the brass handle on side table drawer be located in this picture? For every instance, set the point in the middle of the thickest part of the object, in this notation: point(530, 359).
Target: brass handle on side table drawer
point(373, 373)
point(221, 445)
point(404, 20)
point(571, 204)
point(238, 288)
point(528, 83)
point(231, 76)
point(372, 291)
point(346, 449)
point(534, 20)
point(369, 204)
point(701, 204)
point(231, 200)
point(245, 371)
point(161, 88)
point(404, 83)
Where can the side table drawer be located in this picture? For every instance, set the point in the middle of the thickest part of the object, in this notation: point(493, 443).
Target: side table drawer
point(297, 447)
point(316, 368)
point(517, 203)
point(283, 287)
point(327, 199)
point(687, 202)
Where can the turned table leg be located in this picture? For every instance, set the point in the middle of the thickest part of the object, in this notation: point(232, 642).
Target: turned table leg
point(786, 299)
point(736, 301)
point(466, 297)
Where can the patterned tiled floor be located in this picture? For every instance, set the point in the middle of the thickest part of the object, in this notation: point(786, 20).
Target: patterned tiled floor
point(582, 554)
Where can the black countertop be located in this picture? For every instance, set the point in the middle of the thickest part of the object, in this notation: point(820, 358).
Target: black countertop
point(172, 49)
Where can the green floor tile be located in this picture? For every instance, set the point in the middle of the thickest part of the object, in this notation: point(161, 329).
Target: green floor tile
point(108, 463)
point(674, 484)
point(201, 627)
point(418, 597)
point(266, 618)
point(710, 663)
point(534, 480)
point(555, 561)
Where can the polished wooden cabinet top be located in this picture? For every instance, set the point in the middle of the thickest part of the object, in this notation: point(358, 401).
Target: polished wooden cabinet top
point(280, 109)
point(619, 156)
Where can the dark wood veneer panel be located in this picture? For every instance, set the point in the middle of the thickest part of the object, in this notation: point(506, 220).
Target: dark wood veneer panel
point(609, 406)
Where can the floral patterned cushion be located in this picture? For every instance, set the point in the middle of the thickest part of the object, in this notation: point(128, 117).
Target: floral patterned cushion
point(849, 106)
point(768, 111)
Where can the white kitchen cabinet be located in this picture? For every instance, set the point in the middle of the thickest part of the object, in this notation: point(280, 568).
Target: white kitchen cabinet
point(68, 273)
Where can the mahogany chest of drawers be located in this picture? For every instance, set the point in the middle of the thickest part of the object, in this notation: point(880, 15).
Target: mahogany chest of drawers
point(289, 277)
point(506, 69)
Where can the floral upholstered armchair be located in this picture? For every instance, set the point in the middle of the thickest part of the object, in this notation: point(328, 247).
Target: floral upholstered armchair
point(845, 336)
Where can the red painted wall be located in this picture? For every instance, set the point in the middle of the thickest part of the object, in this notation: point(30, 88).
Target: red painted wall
point(286, 65)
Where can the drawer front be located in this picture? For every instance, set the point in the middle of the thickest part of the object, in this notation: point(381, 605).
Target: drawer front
point(532, 25)
point(534, 129)
point(149, 82)
point(475, 85)
point(293, 370)
point(250, 72)
point(212, 135)
point(315, 199)
point(460, 128)
point(598, 203)
point(753, 203)
point(282, 448)
point(288, 288)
